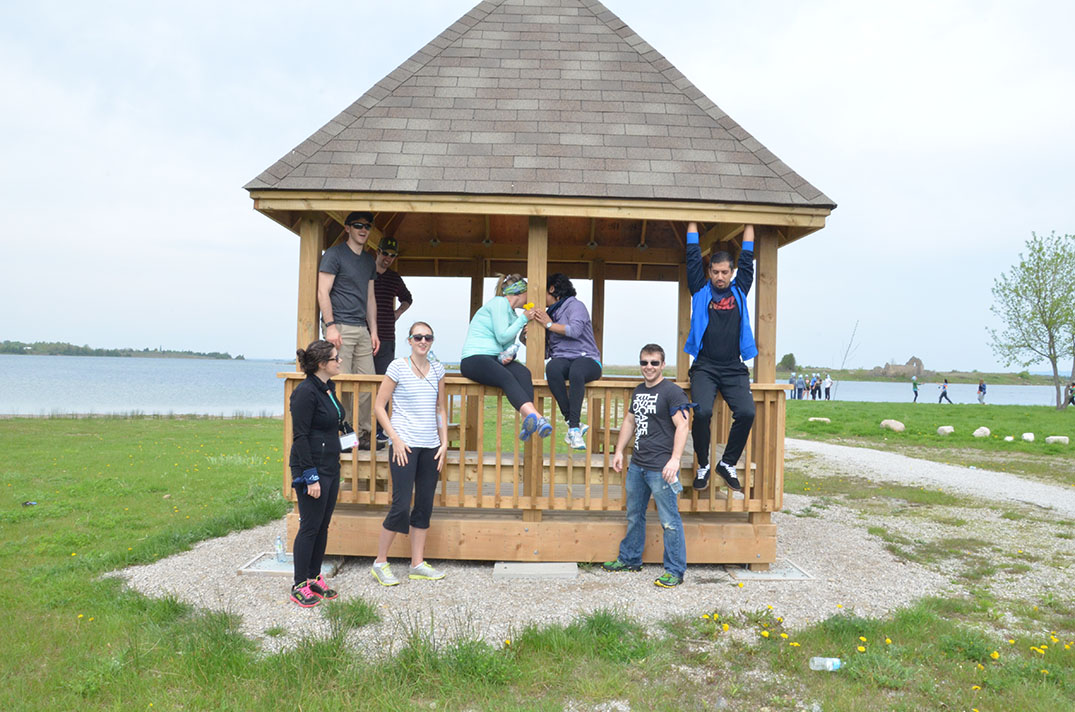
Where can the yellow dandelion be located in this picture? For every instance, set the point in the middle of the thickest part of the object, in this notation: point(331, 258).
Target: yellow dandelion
point(1067, 646)
point(862, 638)
point(716, 616)
point(779, 619)
point(80, 616)
point(888, 641)
point(91, 619)
point(73, 554)
point(507, 641)
point(784, 636)
point(130, 548)
point(1043, 646)
point(793, 644)
point(1054, 639)
point(1044, 672)
point(771, 608)
point(862, 649)
point(994, 655)
point(740, 584)
point(705, 615)
point(980, 666)
point(839, 605)
point(1011, 641)
point(724, 627)
point(765, 634)
point(975, 687)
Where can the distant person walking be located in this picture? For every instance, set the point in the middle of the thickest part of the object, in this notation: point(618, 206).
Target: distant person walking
point(800, 387)
point(914, 387)
point(828, 387)
point(791, 382)
point(1071, 394)
point(944, 392)
point(981, 391)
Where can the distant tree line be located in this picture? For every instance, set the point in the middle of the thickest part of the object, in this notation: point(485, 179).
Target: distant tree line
point(59, 348)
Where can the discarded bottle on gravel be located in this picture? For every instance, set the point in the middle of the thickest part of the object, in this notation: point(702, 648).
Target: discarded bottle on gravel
point(828, 664)
point(281, 554)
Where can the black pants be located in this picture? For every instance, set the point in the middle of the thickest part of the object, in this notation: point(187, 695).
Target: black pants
point(827, 389)
point(419, 476)
point(579, 371)
point(733, 382)
point(514, 379)
point(314, 518)
point(915, 397)
point(384, 356)
point(944, 397)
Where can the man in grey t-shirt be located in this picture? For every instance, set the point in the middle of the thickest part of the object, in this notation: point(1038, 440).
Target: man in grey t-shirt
point(349, 308)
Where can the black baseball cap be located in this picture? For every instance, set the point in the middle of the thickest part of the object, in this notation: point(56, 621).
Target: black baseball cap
point(388, 244)
point(358, 216)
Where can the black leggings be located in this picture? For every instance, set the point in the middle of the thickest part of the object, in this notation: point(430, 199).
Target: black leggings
point(514, 379)
point(944, 397)
point(314, 518)
point(579, 371)
point(419, 476)
point(733, 382)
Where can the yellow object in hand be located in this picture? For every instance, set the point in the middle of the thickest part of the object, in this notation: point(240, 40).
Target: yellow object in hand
point(528, 305)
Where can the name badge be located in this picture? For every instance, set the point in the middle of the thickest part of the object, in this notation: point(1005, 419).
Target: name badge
point(348, 441)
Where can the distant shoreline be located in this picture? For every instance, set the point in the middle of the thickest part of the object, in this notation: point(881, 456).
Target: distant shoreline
point(60, 348)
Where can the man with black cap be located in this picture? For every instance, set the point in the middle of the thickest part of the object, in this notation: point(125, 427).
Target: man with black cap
point(388, 287)
point(348, 305)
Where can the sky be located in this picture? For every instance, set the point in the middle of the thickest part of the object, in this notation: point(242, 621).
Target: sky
point(942, 130)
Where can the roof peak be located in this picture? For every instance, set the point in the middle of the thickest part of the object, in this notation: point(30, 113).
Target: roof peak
point(540, 97)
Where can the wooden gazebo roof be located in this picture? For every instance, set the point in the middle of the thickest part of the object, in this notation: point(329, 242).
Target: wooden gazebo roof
point(551, 98)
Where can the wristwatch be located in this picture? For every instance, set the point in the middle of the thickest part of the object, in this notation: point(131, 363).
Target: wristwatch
point(548, 324)
point(330, 323)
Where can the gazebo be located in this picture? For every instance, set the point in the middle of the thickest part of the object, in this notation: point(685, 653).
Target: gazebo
point(537, 136)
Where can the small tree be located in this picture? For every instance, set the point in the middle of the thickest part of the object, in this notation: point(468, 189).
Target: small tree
point(1035, 301)
point(787, 363)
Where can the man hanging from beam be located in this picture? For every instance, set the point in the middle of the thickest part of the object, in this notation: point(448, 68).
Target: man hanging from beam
point(720, 340)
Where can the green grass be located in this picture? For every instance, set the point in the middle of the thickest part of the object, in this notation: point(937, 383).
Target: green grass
point(855, 423)
point(114, 492)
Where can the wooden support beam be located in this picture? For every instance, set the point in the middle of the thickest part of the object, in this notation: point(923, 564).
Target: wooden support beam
point(683, 321)
point(766, 241)
point(477, 283)
point(537, 254)
point(311, 234)
point(597, 309)
point(721, 232)
point(617, 208)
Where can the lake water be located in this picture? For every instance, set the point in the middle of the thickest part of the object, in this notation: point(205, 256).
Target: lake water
point(46, 385)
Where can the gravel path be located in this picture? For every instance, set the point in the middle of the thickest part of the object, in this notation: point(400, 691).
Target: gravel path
point(852, 570)
point(893, 467)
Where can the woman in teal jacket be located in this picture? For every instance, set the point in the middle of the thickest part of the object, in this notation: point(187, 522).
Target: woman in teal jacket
point(488, 352)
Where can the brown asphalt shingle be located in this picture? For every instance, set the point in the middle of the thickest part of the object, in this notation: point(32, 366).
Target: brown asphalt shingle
point(540, 97)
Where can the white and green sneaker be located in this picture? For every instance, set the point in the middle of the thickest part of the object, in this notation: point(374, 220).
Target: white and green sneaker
point(425, 572)
point(383, 574)
point(573, 438)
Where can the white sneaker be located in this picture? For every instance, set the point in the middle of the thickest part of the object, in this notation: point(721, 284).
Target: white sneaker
point(383, 574)
point(574, 439)
point(424, 571)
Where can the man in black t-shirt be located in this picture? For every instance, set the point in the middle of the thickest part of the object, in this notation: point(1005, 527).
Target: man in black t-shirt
point(720, 339)
point(657, 419)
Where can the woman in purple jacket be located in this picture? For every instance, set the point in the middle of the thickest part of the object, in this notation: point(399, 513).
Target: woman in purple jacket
point(572, 353)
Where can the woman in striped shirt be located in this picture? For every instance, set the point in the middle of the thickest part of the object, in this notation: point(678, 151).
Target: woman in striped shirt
point(418, 430)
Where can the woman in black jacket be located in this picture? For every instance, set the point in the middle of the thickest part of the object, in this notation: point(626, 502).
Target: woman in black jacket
point(316, 421)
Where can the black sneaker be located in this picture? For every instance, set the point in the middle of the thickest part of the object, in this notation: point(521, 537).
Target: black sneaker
point(302, 594)
point(727, 473)
point(701, 482)
point(364, 443)
point(618, 565)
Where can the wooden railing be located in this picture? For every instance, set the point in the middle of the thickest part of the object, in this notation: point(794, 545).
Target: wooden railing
point(488, 468)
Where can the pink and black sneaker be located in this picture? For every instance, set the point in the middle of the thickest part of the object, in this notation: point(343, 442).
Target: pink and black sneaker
point(302, 594)
point(320, 588)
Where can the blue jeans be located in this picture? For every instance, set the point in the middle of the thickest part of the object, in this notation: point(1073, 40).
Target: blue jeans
point(640, 484)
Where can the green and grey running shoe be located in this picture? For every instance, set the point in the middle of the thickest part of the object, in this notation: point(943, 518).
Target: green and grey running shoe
point(618, 565)
point(667, 580)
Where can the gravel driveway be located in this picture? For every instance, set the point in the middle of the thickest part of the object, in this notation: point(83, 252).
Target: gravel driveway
point(852, 570)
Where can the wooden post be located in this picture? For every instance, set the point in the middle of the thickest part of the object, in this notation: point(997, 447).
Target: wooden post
point(311, 234)
point(537, 253)
point(597, 309)
point(477, 285)
point(474, 403)
point(683, 296)
point(766, 241)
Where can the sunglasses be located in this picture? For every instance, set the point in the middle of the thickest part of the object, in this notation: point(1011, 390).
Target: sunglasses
point(421, 337)
point(336, 358)
point(643, 362)
point(390, 255)
point(360, 225)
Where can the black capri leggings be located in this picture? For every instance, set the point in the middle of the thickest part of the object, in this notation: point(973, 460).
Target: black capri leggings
point(514, 379)
point(419, 476)
point(314, 518)
point(579, 371)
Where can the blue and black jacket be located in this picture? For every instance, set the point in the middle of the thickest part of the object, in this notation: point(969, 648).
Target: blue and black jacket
point(702, 293)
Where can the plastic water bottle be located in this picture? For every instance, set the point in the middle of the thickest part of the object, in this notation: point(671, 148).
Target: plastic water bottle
point(281, 554)
point(828, 664)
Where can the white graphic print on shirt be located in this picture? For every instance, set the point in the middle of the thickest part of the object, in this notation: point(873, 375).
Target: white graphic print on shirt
point(644, 406)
